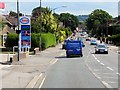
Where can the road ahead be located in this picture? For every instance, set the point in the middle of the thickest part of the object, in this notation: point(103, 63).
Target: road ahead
point(90, 71)
point(51, 69)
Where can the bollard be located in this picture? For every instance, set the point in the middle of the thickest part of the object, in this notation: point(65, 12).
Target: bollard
point(10, 59)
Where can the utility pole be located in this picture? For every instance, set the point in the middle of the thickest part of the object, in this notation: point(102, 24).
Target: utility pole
point(40, 27)
point(18, 31)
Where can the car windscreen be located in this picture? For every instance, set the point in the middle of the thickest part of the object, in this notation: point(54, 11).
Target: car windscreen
point(101, 46)
point(73, 45)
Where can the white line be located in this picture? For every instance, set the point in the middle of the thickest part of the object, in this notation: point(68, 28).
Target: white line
point(42, 82)
point(106, 84)
point(102, 64)
point(98, 61)
point(118, 73)
point(33, 81)
point(110, 68)
point(97, 76)
point(54, 61)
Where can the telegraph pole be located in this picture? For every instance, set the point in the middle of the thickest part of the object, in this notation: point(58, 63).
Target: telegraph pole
point(40, 26)
point(18, 31)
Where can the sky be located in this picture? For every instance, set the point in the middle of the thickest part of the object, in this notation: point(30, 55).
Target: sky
point(76, 7)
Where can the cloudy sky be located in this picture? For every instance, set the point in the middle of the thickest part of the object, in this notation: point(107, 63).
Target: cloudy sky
point(76, 7)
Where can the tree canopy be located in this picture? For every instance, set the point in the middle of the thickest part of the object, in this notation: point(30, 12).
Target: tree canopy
point(97, 21)
point(69, 20)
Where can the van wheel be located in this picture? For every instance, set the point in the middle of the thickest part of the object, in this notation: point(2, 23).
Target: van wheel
point(68, 56)
point(81, 55)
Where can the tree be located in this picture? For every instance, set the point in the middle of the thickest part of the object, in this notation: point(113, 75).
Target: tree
point(97, 22)
point(49, 23)
point(69, 20)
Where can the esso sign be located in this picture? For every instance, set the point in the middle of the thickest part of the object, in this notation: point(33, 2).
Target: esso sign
point(24, 20)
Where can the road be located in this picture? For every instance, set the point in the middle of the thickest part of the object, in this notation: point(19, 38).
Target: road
point(90, 71)
point(51, 69)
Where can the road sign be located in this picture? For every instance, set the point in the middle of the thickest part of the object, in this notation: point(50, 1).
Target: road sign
point(25, 28)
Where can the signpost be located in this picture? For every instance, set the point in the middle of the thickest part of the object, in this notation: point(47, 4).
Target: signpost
point(25, 28)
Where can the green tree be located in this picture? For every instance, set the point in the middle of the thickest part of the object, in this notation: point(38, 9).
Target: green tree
point(97, 22)
point(69, 20)
point(49, 23)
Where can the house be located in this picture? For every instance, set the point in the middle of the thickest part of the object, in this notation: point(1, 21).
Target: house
point(9, 26)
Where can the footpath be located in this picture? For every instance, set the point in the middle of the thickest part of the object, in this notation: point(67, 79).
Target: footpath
point(28, 73)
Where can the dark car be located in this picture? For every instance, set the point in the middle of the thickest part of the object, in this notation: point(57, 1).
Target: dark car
point(101, 48)
point(88, 39)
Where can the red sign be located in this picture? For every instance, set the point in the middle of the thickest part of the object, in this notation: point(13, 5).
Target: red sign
point(2, 5)
point(24, 20)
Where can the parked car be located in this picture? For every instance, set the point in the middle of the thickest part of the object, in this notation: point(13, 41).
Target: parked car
point(101, 48)
point(64, 44)
point(74, 47)
point(88, 39)
point(93, 42)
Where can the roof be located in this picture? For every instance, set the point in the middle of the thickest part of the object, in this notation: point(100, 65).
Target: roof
point(11, 20)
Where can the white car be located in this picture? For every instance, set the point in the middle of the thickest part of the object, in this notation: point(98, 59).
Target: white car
point(101, 48)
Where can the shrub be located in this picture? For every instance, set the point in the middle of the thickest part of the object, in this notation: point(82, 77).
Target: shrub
point(47, 40)
point(12, 40)
point(115, 39)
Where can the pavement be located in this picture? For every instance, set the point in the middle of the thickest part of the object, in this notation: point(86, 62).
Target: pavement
point(27, 72)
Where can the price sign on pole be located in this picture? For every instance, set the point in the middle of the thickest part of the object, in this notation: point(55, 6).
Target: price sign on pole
point(25, 28)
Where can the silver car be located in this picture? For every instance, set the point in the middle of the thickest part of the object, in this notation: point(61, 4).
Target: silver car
point(101, 48)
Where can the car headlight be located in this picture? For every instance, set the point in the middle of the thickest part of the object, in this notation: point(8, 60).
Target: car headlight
point(106, 50)
point(97, 49)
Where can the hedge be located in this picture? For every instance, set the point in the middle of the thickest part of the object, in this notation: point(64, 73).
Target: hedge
point(47, 40)
point(115, 39)
point(12, 40)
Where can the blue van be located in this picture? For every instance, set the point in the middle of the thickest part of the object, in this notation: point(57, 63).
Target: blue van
point(74, 47)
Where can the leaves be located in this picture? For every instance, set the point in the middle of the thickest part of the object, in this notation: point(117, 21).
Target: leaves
point(97, 21)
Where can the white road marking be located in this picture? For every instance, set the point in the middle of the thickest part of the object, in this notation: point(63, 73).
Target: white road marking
point(102, 63)
point(54, 61)
point(97, 76)
point(33, 81)
point(98, 61)
point(110, 68)
point(106, 84)
point(118, 73)
point(112, 82)
point(42, 82)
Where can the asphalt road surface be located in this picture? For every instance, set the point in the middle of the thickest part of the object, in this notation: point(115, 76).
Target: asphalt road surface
point(90, 71)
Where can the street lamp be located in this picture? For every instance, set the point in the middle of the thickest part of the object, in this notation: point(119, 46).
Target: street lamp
point(58, 8)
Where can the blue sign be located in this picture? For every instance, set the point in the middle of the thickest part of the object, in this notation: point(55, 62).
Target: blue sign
point(25, 36)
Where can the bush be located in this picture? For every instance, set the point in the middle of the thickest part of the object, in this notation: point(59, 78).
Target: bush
point(47, 40)
point(12, 40)
point(115, 39)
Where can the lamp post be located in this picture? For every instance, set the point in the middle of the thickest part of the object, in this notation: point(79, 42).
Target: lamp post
point(58, 8)
point(40, 26)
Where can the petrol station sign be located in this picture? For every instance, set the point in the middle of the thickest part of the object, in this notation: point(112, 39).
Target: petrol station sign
point(25, 28)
